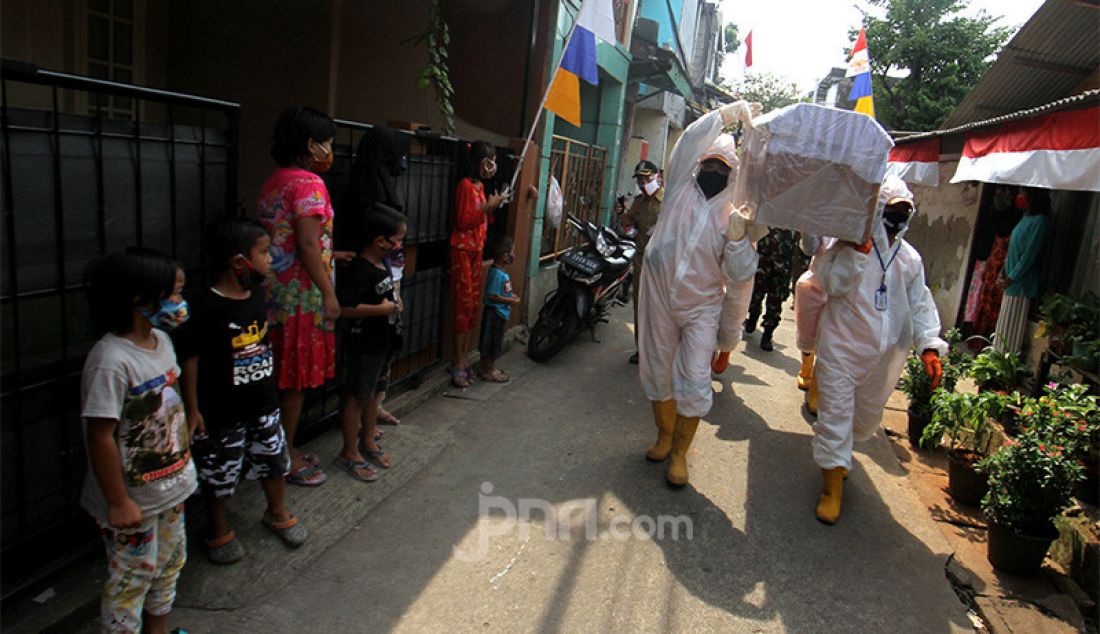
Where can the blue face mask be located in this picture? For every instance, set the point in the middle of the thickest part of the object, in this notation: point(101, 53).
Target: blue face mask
point(169, 314)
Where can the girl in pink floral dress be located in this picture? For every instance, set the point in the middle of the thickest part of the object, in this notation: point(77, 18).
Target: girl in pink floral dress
point(295, 209)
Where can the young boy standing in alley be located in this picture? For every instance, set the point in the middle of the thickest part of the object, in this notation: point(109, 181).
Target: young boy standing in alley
point(229, 387)
point(139, 454)
point(498, 308)
point(368, 304)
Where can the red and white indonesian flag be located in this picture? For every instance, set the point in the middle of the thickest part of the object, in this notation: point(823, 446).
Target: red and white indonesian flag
point(1060, 150)
point(917, 162)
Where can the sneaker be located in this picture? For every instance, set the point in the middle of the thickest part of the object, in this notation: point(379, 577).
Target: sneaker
point(634, 358)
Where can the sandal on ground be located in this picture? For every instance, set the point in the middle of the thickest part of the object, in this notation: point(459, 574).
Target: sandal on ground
point(307, 475)
point(308, 458)
point(226, 549)
point(386, 418)
point(495, 377)
point(379, 458)
point(361, 471)
point(459, 379)
point(289, 531)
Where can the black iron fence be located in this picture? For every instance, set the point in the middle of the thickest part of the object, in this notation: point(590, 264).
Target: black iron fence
point(78, 184)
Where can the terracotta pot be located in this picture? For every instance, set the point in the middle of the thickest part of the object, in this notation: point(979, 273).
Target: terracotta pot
point(917, 423)
point(1016, 553)
point(967, 486)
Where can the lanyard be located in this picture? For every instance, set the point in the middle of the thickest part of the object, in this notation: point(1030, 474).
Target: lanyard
point(887, 264)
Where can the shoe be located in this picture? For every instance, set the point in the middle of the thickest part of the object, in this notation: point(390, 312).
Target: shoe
point(225, 550)
point(832, 494)
point(634, 358)
point(750, 325)
point(812, 397)
point(289, 531)
point(806, 372)
point(766, 341)
point(664, 413)
point(682, 436)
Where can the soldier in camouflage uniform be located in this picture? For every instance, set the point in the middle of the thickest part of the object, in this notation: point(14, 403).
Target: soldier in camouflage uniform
point(778, 251)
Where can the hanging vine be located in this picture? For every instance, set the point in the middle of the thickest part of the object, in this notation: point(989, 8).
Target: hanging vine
point(437, 73)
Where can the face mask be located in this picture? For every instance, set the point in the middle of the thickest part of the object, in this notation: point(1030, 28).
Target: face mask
point(895, 220)
point(651, 187)
point(320, 166)
point(712, 183)
point(250, 277)
point(1021, 201)
point(169, 315)
point(396, 257)
point(489, 167)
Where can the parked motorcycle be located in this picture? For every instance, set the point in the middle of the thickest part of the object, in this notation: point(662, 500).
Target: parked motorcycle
point(592, 277)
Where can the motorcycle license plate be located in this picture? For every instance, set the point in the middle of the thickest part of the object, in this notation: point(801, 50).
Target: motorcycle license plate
point(586, 264)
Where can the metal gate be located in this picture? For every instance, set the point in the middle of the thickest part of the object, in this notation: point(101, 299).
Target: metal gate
point(77, 184)
point(579, 168)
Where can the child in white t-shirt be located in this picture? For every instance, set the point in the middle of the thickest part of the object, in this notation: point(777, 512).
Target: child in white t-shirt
point(139, 445)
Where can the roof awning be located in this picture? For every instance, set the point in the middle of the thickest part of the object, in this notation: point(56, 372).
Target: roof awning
point(655, 66)
point(917, 163)
point(1060, 150)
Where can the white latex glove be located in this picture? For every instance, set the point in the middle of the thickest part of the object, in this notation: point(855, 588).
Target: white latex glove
point(736, 230)
point(742, 111)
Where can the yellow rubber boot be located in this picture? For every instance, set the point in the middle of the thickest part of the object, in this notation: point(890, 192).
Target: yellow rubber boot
point(806, 372)
point(812, 396)
point(681, 440)
point(664, 413)
point(828, 506)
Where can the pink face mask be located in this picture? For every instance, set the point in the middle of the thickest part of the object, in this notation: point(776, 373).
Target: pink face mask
point(651, 187)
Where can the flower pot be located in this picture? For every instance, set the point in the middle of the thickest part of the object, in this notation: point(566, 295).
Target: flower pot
point(917, 423)
point(1016, 553)
point(967, 486)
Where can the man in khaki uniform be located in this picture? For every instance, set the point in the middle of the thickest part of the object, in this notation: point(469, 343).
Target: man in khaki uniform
point(643, 215)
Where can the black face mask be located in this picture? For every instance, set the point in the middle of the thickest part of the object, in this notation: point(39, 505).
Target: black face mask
point(895, 220)
point(712, 183)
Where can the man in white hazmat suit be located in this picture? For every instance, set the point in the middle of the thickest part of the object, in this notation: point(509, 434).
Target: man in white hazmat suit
point(695, 254)
point(878, 307)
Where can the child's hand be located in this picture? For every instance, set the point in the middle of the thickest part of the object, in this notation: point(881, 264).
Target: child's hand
point(388, 307)
point(513, 299)
point(195, 422)
point(125, 514)
point(400, 304)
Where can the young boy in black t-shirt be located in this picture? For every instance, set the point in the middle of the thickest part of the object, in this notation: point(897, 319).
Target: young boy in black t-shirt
point(371, 313)
point(229, 389)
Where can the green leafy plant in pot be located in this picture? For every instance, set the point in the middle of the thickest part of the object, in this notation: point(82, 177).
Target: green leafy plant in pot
point(998, 370)
point(1074, 416)
point(917, 385)
point(964, 419)
point(1031, 480)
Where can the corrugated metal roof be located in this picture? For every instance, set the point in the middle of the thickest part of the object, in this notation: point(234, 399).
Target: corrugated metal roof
point(1069, 103)
point(1048, 59)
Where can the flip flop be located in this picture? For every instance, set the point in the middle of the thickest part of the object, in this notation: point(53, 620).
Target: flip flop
point(379, 458)
point(386, 418)
point(289, 531)
point(361, 471)
point(496, 377)
point(307, 475)
point(309, 457)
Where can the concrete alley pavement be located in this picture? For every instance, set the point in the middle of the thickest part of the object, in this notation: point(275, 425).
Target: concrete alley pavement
point(572, 433)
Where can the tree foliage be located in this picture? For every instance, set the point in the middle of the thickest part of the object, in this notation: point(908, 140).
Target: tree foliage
point(772, 91)
point(945, 53)
point(731, 38)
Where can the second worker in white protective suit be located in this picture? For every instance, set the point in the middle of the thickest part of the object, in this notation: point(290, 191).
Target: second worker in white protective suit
point(878, 307)
point(695, 255)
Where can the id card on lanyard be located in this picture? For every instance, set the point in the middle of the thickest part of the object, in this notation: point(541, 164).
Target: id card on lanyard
point(881, 300)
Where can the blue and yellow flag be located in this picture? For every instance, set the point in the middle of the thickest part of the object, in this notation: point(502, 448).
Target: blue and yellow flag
point(595, 19)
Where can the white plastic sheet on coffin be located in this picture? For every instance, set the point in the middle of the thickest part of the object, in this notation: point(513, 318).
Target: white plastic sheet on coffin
point(813, 169)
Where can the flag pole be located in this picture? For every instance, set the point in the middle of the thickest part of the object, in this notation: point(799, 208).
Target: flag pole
point(542, 103)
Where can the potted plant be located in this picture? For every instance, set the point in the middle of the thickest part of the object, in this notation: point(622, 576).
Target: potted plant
point(1085, 353)
point(1073, 325)
point(917, 386)
point(1075, 415)
point(1056, 311)
point(964, 419)
point(998, 370)
point(1031, 479)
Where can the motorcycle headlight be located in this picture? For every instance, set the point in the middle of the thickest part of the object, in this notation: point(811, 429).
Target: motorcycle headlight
point(603, 246)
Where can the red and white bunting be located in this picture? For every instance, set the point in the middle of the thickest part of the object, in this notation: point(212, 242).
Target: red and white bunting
point(1060, 150)
point(916, 162)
